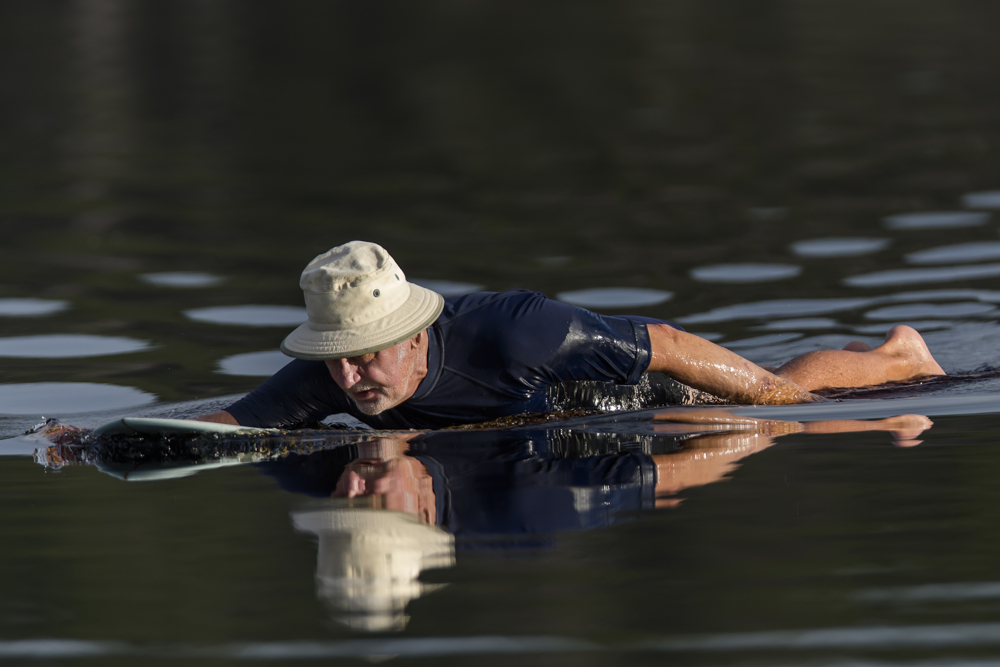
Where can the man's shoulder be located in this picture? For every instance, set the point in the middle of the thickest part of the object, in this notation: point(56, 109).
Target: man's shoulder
point(488, 304)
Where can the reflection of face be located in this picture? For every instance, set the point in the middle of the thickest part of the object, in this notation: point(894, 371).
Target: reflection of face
point(379, 380)
point(402, 484)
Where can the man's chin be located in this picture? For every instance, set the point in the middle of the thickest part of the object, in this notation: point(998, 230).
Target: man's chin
point(372, 407)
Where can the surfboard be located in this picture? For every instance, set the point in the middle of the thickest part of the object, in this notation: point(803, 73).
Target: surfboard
point(152, 426)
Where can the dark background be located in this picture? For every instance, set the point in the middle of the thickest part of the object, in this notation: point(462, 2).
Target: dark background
point(476, 140)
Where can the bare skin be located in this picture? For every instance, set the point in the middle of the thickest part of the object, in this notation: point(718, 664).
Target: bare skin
point(381, 380)
point(903, 356)
point(376, 381)
point(703, 365)
point(400, 482)
point(710, 458)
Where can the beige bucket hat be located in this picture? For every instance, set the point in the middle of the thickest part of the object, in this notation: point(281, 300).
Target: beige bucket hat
point(358, 302)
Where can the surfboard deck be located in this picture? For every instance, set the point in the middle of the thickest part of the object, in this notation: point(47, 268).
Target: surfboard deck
point(153, 426)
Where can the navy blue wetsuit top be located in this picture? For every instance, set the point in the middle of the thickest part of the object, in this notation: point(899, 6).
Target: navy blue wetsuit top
point(502, 484)
point(490, 355)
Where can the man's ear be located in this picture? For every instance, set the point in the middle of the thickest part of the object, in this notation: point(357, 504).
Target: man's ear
point(417, 340)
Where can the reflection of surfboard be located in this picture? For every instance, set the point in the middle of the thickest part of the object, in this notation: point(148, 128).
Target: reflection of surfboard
point(149, 426)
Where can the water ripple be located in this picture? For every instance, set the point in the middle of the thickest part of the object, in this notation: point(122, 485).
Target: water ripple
point(913, 276)
point(447, 287)
point(252, 316)
point(259, 364)
point(615, 297)
point(760, 341)
point(974, 590)
point(181, 279)
point(65, 346)
point(48, 398)
point(30, 307)
point(776, 308)
point(945, 311)
point(936, 220)
point(987, 199)
point(961, 252)
point(839, 247)
point(800, 323)
point(745, 273)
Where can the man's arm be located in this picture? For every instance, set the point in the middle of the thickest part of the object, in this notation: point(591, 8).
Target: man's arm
point(220, 417)
point(704, 365)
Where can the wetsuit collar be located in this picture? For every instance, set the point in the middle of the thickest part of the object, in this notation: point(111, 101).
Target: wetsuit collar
point(435, 361)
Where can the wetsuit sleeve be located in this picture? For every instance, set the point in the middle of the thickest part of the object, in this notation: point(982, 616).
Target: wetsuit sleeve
point(301, 391)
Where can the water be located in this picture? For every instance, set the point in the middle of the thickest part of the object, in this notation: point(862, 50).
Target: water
point(169, 168)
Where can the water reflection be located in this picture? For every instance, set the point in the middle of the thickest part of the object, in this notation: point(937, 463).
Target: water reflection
point(745, 273)
point(801, 323)
point(989, 296)
point(447, 287)
point(777, 308)
point(839, 247)
point(962, 252)
point(30, 307)
point(368, 562)
point(919, 325)
point(261, 364)
point(765, 310)
point(988, 199)
point(182, 279)
point(394, 505)
point(945, 311)
point(936, 220)
point(55, 398)
point(253, 316)
point(615, 297)
point(65, 346)
point(758, 341)
point(914, 276)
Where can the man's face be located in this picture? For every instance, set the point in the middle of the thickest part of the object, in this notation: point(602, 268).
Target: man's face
point(383, 470)
point(380, 380)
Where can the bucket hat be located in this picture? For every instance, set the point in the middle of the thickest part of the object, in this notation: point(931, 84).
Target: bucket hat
point(358, 302)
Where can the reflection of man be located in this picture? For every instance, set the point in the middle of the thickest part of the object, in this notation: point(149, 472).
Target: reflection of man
point(369, 561)
point(396, 355)
point(487, 484)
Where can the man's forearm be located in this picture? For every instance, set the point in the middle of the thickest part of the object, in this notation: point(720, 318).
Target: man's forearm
point(706, 366)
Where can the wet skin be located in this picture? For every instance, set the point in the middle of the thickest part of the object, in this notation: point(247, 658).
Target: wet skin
point(382, 380)
point(400, 482)
point(709, 367)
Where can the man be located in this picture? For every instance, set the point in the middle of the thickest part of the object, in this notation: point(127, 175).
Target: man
point(396, 355)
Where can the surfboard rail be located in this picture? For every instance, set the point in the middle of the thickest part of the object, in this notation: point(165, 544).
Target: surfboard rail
point(158, 426)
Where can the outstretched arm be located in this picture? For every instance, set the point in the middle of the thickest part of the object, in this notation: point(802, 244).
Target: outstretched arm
point(704, 365)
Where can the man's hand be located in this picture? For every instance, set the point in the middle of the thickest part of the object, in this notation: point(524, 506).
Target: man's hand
point(220, 417)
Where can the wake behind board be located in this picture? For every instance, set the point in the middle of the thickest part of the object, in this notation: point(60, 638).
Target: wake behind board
point(151, 426)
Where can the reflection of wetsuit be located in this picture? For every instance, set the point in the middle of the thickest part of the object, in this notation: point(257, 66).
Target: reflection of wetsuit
point(490, 355)
point(491, 486)
point(479, 500)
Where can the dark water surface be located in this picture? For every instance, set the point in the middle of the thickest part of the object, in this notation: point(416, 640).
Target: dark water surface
point(777, 176)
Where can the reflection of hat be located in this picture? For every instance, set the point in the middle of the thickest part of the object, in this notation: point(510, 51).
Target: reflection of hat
point(369, 561)
point(358, 302)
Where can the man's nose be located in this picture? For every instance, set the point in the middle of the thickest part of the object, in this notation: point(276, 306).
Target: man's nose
point(344, 373)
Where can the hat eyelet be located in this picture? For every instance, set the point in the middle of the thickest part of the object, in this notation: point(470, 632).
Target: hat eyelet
point(376, 294)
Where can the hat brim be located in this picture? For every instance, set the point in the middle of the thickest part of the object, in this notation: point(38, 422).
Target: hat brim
point(416, 314)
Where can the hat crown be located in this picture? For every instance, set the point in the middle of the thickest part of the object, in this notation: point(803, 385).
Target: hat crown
point(352, 285)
